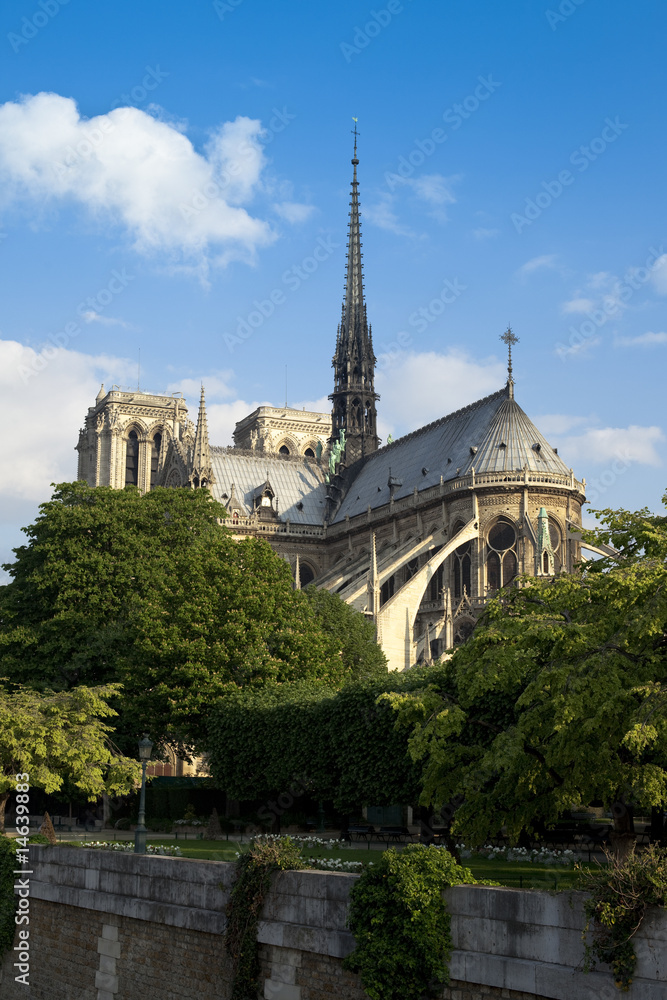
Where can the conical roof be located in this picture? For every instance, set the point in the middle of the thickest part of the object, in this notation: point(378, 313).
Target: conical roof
point(511, 442)
point(492, 435)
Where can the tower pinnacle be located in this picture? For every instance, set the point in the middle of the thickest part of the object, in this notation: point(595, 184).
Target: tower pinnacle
point(354, 397)
point(201, 474)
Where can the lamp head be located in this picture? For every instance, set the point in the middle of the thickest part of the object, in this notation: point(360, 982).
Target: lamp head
point(145, 747)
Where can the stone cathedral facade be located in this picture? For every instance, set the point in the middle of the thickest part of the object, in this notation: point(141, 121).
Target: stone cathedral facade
point(418, 533)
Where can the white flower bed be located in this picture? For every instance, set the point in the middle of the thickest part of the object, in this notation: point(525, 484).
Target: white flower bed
point(127, 846)
point(543, 856)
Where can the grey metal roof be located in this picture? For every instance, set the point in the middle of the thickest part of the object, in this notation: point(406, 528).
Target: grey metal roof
point(293, 480)
point(491, 435)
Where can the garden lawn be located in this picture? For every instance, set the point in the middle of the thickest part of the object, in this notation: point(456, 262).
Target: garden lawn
point(517, 874)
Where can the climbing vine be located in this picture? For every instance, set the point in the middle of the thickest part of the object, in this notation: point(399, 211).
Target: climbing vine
point(401, 925)
point(620, 893)
point(7, 897)
point(254, 870)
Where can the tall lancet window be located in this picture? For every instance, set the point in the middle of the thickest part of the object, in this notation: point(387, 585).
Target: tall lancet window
point(132, 460)
point(155, 457)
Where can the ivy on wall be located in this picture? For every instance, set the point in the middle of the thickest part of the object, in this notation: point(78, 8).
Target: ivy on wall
point(401, 925)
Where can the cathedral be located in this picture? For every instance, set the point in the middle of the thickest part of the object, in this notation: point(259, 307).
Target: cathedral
point(418, 534)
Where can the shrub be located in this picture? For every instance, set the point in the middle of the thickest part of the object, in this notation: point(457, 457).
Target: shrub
point(401, 925)
point(620, 893)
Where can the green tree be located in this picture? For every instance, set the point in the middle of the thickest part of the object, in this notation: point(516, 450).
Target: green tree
point(52, 735)
point(559, 697)
point(352, 633)
point(153, 592)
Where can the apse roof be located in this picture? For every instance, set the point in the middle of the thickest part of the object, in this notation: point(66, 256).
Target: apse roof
point(491, 435)
point(298, 483)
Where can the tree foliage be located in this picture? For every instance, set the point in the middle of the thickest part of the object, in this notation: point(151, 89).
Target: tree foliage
point(560, 695)
point(52, 736)
point(339, 745)
point(352, 633)
point(153, 592)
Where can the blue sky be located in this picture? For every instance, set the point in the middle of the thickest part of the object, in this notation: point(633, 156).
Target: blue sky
point(165, 168)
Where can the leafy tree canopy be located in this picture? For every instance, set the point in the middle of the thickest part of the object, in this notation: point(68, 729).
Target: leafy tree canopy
point(51, 736)
point(353, 634)
point(153, 592)
point(559, 697)
point(302, 737)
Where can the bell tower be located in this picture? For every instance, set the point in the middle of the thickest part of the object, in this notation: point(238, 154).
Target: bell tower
point(354, 397)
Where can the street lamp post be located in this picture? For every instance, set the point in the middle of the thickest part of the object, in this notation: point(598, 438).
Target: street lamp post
point(145, 747)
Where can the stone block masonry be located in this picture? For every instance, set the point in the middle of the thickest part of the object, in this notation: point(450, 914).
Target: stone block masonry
point(106, 926)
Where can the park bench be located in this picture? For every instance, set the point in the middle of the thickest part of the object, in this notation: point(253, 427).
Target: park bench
point(395, 834)
point(363, 831)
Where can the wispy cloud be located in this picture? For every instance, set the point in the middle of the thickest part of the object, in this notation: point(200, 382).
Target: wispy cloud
point(547, 261)
point(578, 305)
point(485, 234)
point(292, 211)
point(659, 275)
point(643, 340)
point(90, 316)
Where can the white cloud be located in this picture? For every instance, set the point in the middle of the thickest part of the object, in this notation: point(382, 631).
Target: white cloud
point(139, 172)
point(547, 260)
point(602, 445)
point(90, 316)
point(216, 386)
point(659, 275)
point(643, 340)
point(46, 399)
point(417, 388)
point(485, 234)
point(382, 215)
point(578, 305)
point(293, 211)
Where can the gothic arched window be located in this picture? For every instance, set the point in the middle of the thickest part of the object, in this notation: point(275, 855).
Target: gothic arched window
point(283, 450)
point(132, 460)
point(462, 566)
point(306, 575)
point(309, 453)
point(501, 560)
point(155, 457)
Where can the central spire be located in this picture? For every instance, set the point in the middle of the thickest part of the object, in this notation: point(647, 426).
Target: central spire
point(354, 396)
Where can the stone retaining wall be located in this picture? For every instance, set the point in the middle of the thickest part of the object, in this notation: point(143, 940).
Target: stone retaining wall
point(107, 926)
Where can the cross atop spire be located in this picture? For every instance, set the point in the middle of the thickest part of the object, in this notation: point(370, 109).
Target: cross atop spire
point(355, 133)
point(510, 339)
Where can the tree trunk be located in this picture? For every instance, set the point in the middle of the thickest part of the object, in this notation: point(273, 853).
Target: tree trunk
point(658, 831)
point(425, 830)
point(623, 836)
point(3, 802)
point(106, 811)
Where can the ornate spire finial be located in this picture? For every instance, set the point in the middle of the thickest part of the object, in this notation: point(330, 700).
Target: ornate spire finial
point(510, 339)
point(355, 133)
